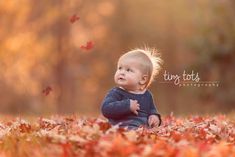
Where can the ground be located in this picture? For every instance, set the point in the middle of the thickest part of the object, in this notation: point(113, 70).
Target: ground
point(65, 136)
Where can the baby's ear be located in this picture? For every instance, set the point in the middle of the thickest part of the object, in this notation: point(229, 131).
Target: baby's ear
point(144, 79)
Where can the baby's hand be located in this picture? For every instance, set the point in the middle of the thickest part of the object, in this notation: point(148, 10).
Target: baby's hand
point(153, 120)
point(134, 106)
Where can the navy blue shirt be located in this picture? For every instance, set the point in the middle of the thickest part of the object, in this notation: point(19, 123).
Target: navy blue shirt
point(116, 108)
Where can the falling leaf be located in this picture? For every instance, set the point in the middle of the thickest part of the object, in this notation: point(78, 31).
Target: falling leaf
point(89, 45)
point(47, 90)
point(74, 18)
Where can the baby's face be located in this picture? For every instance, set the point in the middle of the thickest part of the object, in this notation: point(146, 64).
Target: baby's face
point(128, 74)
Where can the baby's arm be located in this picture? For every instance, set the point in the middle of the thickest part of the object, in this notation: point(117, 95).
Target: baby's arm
point(154, 113)
point(113, 107)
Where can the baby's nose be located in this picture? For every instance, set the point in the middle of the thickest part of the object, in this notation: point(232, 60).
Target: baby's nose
point(122, 72)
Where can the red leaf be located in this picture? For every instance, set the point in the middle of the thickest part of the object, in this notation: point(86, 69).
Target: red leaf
point(104, 126)
point(67, 149)
point(176, 136)
point(197, 119)
point(89, 45)
point(74, 18)
point(47, 90)
point(25, 128)
point(202, 133)
point(203, 146)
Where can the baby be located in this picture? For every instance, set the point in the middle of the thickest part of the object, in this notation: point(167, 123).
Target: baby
point(131, 104)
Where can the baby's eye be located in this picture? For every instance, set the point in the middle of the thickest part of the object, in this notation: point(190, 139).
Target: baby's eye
point(129, 70)
point(120, 68)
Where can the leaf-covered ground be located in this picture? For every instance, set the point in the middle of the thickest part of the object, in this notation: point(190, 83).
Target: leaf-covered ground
point(60, 136)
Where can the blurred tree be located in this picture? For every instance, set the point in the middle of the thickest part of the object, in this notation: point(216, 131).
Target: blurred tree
point(215, 44)
point(40, 47)
point(63, 76)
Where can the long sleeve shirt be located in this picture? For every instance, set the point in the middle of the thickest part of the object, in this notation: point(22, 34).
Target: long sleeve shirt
point(116, 108)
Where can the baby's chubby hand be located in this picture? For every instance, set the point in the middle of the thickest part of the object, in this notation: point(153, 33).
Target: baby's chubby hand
point(153, 120)
point(134, 106)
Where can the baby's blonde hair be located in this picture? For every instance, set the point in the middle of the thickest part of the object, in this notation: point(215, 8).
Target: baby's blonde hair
point(150, 62)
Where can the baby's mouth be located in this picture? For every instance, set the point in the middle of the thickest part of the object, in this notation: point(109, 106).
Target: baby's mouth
point(121, 79)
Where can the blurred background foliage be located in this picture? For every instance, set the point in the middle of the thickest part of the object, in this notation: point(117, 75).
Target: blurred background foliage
point(40, 47)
